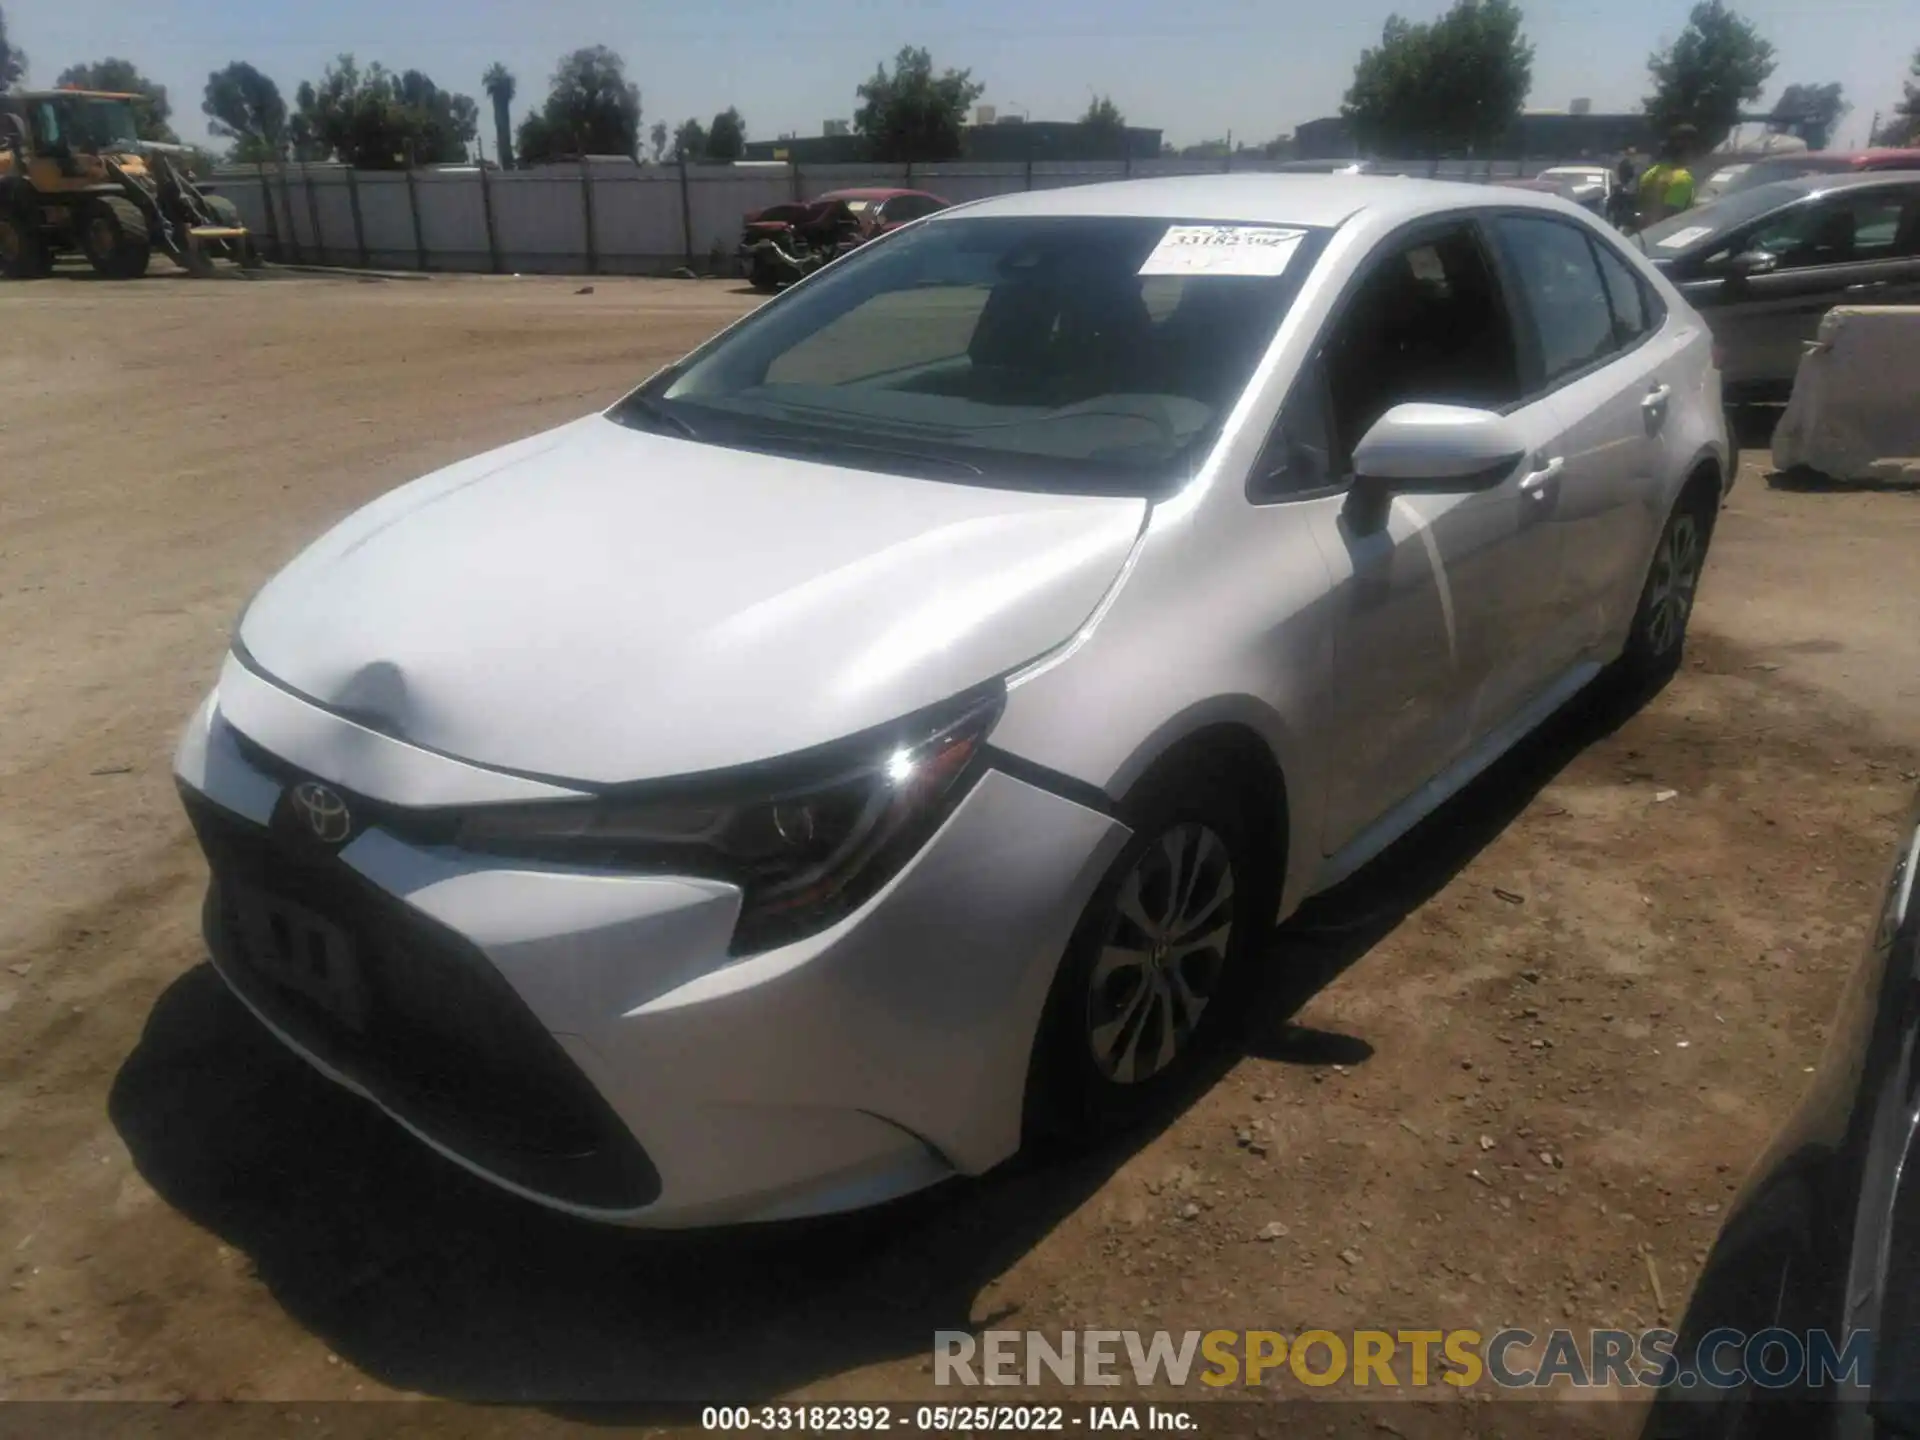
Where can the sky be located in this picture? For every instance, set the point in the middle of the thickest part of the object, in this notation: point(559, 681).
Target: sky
point(1196, 69)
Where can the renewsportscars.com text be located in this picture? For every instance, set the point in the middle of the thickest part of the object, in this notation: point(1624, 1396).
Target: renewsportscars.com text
point(1402, 1359)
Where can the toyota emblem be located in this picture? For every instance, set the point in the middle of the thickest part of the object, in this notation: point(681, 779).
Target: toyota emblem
point(322, 811)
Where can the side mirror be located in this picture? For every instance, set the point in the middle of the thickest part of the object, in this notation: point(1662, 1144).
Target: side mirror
point(1752, 262)
point(1438, 449)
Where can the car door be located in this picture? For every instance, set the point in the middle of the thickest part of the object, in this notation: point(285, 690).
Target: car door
point(1609, 370)
point(1769, 288)
point(1430, 601)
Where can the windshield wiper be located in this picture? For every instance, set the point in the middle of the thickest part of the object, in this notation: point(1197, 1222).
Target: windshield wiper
point(658, 414)
point(854, 450)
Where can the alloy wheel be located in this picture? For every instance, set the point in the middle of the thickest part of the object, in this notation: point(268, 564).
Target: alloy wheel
point(1163, 955)
point(1676, 575)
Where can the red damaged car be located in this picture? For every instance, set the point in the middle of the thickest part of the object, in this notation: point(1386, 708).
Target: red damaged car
point(784, 242)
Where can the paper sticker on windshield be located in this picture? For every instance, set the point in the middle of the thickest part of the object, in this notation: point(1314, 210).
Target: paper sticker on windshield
point(1223, 250)
point(1680, 239)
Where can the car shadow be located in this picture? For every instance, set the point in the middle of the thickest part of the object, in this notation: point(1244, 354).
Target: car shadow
point(434, 1282)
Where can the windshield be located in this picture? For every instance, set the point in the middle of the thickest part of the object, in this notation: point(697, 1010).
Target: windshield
point(1703, 223)
point(1089, 354)
point(108, 123)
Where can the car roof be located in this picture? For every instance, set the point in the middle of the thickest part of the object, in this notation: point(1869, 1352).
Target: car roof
point(1849, 179)
point(1252, 197)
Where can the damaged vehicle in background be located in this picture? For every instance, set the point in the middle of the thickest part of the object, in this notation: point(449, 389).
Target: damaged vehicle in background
point(784, 243)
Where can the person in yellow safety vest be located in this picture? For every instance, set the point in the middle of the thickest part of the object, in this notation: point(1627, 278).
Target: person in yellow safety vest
point(1667, 186)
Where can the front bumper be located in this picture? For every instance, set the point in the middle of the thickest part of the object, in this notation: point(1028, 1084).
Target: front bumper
point(583, 1038)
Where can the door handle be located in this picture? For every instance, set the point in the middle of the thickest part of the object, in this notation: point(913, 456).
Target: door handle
point(1540, 484)
point(1655, 405)
point(1865, 285)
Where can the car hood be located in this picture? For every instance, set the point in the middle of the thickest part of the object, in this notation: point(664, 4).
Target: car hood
point(601, 604)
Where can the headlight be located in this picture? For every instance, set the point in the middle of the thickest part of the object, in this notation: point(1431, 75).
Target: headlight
point(807, 846)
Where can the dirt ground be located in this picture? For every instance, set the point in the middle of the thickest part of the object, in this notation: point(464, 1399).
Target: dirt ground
point(1512, 1073)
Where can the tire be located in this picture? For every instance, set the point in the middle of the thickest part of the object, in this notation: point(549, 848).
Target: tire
point(1119, 1032)
point(23, 254)
point(113, 236)
point(762, 276)
point(1658, 639)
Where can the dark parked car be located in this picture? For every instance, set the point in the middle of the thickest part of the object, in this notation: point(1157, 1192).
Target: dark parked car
point(1825, 1240)
point(1764, 265)
point(782, 243)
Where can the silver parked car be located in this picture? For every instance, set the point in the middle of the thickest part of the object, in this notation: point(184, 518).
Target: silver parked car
point(1765, 265)
point(892, 731)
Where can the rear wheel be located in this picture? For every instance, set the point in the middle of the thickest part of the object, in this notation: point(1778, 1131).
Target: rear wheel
point(1659, 635)
point(23, 255)
point(1157, 965)
point(113, 236)
point(762, 276)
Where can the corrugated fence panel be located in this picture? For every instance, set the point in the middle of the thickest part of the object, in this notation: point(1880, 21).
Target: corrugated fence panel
point(636, 220)
point(386, 220)
point(331, 197)
point(453, 220)
point(540, 219)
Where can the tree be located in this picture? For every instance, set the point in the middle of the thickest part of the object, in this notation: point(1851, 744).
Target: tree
point(373, 119)
point(1811, 112)
point(1717, 66)
point(244, 106)
point(658, 138)
point(1105, 129)
point(149, 116)
point(13, 62)
point(591, 109)
point(690, 141)
point(1903, 126)
point(500, 85)
point(727, 139)
point(1450, 87)
point(912, 114)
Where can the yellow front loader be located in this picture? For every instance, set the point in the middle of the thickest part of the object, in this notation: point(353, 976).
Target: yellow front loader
point(75, 176)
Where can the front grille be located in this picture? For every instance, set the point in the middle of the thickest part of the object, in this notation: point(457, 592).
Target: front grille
point(438, 1035)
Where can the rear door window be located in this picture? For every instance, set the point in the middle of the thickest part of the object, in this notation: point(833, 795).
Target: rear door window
point(1634, 315)
point(1559, 278)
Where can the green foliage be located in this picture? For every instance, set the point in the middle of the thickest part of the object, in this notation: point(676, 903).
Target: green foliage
point(1903, 126)
point(374, 119)
point(1454, 86)
point(690, 141)
point(13, 61)
point(1811, 112)
point(1105, 128)
point(1716, 67)
point(244, 106)
point(912, 114)
point(727, 137)
point(149, 115)
point(501, 87)
point(591, 109)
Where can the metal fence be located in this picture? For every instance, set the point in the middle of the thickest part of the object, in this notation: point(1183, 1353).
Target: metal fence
point(623, 220)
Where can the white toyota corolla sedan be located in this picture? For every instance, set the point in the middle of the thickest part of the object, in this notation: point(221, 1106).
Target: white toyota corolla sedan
point(894, 730)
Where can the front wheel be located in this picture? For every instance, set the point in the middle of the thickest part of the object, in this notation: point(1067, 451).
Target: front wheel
point(113, 236)
point(1156, 967)
point(1659, 634)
